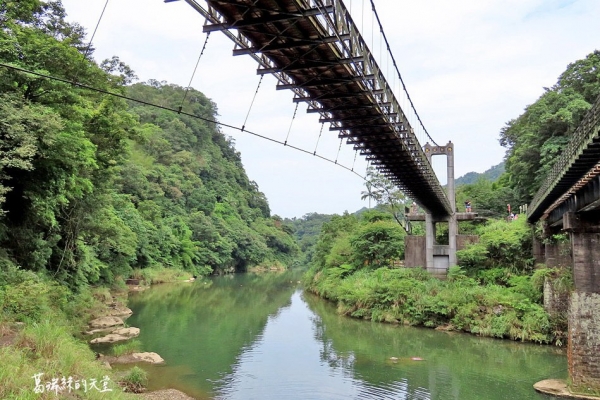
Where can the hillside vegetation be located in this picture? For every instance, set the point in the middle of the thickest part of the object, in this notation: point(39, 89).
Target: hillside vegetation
point(94, 189)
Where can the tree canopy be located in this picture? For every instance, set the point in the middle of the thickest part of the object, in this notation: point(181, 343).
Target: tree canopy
point(535, 138)
point(92, 186)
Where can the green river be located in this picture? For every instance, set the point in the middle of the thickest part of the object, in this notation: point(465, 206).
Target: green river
point(259, 336)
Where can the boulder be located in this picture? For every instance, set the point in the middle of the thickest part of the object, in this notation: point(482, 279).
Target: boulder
point(106, 322)
point(129, 332)
point(118, 335)
point(119, 311)
point(110, 338)
point(151, 358)
point(94, 331)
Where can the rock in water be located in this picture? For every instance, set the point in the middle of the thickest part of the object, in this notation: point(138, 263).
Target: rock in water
point(105, 322)
point(152, 358)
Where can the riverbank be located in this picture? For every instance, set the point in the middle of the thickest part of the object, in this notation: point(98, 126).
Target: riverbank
point(42, 351)
point(413, 297)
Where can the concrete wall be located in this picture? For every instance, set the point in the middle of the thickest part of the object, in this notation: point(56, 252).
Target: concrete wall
point(584, 340)
point(558, 254)
point(555, 301)
point(463, 240)
point(414, 248)
point(414, 251)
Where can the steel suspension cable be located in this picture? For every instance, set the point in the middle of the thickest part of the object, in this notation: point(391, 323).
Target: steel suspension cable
point(252, 102)
point(339, 149)
point(87, 50)
point(398, 71)
point(291, 123)
point(319, 138)
point(187, 89)
point(354, 162)
point(146, 103)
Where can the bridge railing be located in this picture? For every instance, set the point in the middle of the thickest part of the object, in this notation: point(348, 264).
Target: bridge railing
point(584, 135)
point(351, 45)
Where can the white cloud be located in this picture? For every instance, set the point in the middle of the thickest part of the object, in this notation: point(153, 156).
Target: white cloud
point(470, 66)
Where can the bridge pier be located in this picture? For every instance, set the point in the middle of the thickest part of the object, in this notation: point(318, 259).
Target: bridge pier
point(439, 258)
point(584, 311)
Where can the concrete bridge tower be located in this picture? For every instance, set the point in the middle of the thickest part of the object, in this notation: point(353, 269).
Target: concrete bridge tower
point(438, 258)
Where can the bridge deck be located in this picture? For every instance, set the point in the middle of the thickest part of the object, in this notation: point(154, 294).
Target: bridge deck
point(572, 171)
point(314, 49)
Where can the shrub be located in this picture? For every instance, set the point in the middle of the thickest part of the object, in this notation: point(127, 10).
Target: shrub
point(376, 244)
point(135, 381)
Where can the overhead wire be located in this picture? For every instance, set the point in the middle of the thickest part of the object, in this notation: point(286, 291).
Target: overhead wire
point(376, 15)
point(146, 103)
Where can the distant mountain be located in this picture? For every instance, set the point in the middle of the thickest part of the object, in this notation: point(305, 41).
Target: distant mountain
point(491, 174)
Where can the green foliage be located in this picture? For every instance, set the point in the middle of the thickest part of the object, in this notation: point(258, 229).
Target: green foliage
point(376, 244)
point(535, 138)
point(135, 381)
point(92, 187)
point(492, 294)
point(386, 194)
point(487, 198)
point(492, 175)
point(459, 303)
point(501, 244)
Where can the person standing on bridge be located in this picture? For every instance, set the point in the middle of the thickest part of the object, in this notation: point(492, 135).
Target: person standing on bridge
point(467, 206)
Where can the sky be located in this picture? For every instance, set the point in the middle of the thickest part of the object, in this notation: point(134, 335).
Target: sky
point(469, 66)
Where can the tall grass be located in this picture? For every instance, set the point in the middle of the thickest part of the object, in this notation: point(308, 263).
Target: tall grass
point(460, 303)
point(45, 344)
point(48, 347)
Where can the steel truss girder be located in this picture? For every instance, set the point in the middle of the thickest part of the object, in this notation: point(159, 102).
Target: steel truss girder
point(333, 20)
point(279, 17)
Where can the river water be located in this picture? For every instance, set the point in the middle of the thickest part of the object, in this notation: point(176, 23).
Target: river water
point(259, 336)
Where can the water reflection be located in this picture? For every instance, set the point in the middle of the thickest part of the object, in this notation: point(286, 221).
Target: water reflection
point(250, 336)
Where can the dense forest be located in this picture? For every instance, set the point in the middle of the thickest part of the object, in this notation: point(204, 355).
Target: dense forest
point(491, 174)
point(93, 187)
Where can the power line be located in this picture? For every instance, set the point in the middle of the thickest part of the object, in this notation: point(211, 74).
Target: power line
point(124, 97)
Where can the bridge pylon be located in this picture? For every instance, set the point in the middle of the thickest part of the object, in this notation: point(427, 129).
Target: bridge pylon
point(438, 258)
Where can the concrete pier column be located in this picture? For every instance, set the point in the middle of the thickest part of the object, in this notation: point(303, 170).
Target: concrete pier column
point(429, 240)
point(452, 235)
point(584, 313)
point(452, 223)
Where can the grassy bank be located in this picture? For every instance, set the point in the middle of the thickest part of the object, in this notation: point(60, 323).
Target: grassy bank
point(498, 293)
point(412, 296)
point(39, 325)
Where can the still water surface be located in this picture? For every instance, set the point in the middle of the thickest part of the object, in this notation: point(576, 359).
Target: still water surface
point(253, 336)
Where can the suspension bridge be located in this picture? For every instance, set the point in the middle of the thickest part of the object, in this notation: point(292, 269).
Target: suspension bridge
point(314, 49)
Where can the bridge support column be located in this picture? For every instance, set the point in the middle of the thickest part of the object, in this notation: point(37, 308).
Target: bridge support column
point(429, 241)
point(449, 252)
point(452, 235)
point(584, 312)
point(452, 222)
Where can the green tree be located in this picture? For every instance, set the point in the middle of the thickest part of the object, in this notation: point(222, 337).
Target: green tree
point(537, 137)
